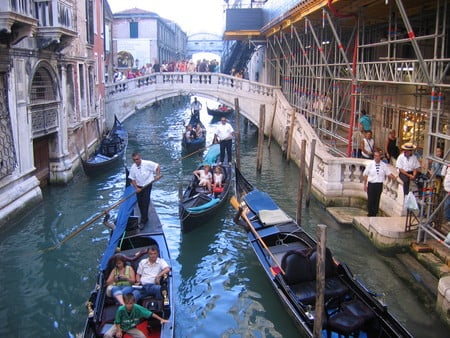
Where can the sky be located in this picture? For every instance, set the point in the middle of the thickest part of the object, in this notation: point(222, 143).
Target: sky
point(193, 16)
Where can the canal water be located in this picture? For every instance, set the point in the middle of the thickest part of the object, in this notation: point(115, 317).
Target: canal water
point(222, 291)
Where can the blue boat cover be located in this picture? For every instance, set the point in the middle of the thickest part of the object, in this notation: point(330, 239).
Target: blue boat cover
point(212, 154)
point(125, 211)
point(203, 207)
point(258, 200)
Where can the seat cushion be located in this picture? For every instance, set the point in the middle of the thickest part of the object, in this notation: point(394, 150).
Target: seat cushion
point(344, 323)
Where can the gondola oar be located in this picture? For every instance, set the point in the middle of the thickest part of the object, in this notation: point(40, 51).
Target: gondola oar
point(235, 203)
point(197, 151)
point(97, 217)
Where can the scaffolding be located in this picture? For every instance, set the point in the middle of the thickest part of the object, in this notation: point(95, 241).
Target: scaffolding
point(389, 58)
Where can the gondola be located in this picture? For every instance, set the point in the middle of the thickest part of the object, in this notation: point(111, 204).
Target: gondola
point(222, 110)
point(196, 203)
point(288, 256)
point(191, 145)
point(110, 152)
point(132, 242)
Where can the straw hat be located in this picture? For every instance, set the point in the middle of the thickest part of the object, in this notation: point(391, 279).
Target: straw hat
point(408, 146)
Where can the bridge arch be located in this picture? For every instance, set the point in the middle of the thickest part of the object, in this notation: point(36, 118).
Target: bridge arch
point(126, 97)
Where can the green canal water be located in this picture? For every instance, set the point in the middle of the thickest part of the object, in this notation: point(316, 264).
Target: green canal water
point(222, 291)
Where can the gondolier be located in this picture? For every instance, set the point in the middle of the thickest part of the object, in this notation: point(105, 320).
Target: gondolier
point(142, 173)
point(196, 106)
point(225, 133)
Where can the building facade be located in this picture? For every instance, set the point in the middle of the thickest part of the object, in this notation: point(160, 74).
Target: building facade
point(144, 38)
point(51, 97)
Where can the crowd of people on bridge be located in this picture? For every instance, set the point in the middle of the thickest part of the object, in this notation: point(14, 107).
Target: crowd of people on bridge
point(206, 66)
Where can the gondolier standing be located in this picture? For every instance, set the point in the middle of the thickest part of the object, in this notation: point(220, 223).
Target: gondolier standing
point(374, 176)
point(142, 173)
point(225, 133)
point(196, 106)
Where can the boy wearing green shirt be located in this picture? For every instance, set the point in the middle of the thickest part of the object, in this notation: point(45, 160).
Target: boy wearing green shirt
point(128, 316)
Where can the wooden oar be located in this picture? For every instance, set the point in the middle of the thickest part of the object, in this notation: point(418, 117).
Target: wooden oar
point(97, 217)
point(197, 151)
point(235, 203)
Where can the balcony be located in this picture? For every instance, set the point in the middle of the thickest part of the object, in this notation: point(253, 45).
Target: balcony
point(56, 24)
point(16, 20)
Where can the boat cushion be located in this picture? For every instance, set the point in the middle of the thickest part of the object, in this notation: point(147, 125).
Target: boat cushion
point(300, 274)
point(272, 217)
point(306, 291)
point(258, 200)
point(358, 309)
point(345, 323)
point(205, 206)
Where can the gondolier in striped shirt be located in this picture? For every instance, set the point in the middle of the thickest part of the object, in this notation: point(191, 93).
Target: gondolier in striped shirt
point(142, 173)
point(225, 133)
point(374, 175)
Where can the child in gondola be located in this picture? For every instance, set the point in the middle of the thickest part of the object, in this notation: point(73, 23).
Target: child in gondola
point(128, 316)
point(218, 180)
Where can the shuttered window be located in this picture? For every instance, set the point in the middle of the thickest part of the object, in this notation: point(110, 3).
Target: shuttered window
point(134, 30)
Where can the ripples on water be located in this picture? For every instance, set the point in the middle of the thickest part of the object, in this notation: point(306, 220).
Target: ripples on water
point(222, 291)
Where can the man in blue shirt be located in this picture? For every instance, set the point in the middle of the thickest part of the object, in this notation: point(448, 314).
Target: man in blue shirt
point(365, 122)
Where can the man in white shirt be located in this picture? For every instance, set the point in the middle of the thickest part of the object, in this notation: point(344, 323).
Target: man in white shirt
point(407, 165)
point(142, 174)
point(149, 273)
point(373, 176)
point(225, 133)
point(196, 106)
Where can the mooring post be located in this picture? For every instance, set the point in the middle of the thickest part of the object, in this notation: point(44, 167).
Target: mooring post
point(291, 135)
point(262, 114)
point(271, 124)
point(312, 155)
point(237, 137)
point(301, 181)
point(320, 279)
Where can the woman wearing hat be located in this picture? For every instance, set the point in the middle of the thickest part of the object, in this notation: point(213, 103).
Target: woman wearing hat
point(407, 165)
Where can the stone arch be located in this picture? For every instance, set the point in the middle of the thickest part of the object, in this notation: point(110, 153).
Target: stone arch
point(44, 108)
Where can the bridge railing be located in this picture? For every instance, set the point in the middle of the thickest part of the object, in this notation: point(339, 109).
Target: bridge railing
point(187, 81)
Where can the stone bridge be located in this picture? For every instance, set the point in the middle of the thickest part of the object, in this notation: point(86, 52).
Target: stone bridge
point(125, 97)
point(337, 181)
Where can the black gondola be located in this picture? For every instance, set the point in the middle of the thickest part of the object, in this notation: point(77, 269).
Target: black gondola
point(222, 110)
point(196, 203)
point(288, 255)
point(196, 142)
point(132, 242)
point(110, 152)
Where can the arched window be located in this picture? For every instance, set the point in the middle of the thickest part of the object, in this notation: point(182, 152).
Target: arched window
point(44, 103)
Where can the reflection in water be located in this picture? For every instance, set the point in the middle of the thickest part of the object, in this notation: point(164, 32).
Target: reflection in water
point(222, 291)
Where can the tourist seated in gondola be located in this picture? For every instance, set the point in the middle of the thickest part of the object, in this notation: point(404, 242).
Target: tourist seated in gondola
point(149, 274)
point(190, 133)
point(120, 279)
point(199, 130)
point(128, 317)
point(204, 177)
point(218, 180)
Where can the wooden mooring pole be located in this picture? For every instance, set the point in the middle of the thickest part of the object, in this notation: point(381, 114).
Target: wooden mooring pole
point(237, 137)
point(301, 181)
point(320, 279)
point(291, 136)
point(271, 124)
point(262, 114)
point(312, 155)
